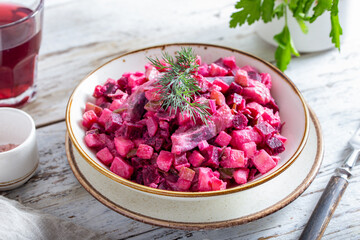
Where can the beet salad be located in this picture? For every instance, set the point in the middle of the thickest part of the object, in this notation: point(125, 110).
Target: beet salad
point(186, 125)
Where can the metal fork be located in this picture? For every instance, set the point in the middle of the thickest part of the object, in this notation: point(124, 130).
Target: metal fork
point(332, 194)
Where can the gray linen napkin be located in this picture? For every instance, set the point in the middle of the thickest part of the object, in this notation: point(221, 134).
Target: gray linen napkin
point(20, 222)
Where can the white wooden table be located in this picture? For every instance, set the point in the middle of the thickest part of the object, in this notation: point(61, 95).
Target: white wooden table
point(81, 35)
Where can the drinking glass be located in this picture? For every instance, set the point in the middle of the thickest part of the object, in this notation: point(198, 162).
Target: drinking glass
point(20, 38)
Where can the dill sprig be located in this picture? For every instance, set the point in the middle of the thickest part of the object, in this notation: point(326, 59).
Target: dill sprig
point(178, 86)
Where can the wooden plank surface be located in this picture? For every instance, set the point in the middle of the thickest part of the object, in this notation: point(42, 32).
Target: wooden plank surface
point(81, 35)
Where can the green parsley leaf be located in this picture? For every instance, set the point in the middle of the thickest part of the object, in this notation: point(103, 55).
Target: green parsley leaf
point(249, 12)
point(320, 8)
point(302, 25)
point(308, 5)
point(267, 9)
point(285, 49)
point(279, 10)
point(336, 29)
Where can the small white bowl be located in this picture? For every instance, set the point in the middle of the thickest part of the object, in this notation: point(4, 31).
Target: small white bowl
point(293, 111)
point(19, 164)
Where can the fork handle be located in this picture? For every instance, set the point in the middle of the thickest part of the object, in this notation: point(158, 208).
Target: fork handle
point(325, 208)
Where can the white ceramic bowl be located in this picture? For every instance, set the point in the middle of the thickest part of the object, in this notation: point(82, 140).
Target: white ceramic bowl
point(293, 111)
point(19, 164)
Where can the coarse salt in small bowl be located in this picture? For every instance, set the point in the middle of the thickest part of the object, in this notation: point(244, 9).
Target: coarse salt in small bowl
point(19, 157)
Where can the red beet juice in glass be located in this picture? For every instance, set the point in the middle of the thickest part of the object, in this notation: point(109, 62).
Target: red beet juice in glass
point(20, 37)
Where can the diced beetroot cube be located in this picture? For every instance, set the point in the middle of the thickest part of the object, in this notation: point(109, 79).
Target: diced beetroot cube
point(109, 87)
point(138, 141)
point(187, 174)
point(256, 110)
point(218, 184)
point(252, 72)
point(207, 181)
point(179, 167)
point(216, 70)
point(123, 145)
point(212, 105)
point(164, 125)
point(239, 121)
point(116, 104)
point(275, 144)
point(270, 117)
point(282, 138)
point(242, 78)
point(265, 129)
point(98, 127)
point(224, 86)
point(266, 79)
point(180, 159)
point(144, 151)
point(105, 156)
point(151, 72)
point(183, 185)
point(234, 99)
point(243, 136)
point(152, 126)
point(89, 118)
point(215, 87)
point(158, 144)
point(106, 114)
point(164, 133)
point(222, 118)
point(165, 160)
point(276, 159)
point(109, 143)
point(93, 140)
point(212, 156)
point(252, 174)
point(218, 97)
point(234, 88)
point(223, 139)
point(230, 62)
point(183, 118)
point(113, 122)
point(153, 94)
point(249, 149)
point(98, 91)
point(118, 94)
point(121, 168)
point(123, 82)
point(241, 175)
point(196, 159)
point(167, 115)
point(263, 161)
point(150, 175)
point(204, 70)
point(101, 101)
point(90, 106)
point(136, 79)
point(202, 145)
point(233, 159)
point(258, 93)
point(203, 83)
point(216, 174)
point(130, 130)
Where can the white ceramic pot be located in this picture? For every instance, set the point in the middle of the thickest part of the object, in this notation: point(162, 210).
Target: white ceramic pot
point(17, 165)
point(317, 39)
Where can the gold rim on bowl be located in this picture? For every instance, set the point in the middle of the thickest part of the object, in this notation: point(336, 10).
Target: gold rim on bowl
point(146, 189)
